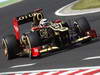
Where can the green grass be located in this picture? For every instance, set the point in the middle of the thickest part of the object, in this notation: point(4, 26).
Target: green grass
point(86, 4)
point(2, 4)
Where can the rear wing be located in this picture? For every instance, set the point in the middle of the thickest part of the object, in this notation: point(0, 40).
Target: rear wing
point(34, 17)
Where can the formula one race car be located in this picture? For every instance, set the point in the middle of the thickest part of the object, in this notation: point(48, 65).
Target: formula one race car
point(45, 35)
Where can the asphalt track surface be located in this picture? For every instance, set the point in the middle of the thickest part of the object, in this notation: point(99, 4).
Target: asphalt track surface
point(67, 58)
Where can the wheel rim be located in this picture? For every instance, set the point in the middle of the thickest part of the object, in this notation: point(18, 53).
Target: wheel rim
point(4, 47)
point(29, 46)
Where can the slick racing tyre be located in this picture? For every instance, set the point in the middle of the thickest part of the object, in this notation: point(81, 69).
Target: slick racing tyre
point(82, 25)
point(33, 40)
point(10, 46)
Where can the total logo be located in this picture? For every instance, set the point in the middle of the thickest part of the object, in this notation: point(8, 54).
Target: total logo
point(3, 0)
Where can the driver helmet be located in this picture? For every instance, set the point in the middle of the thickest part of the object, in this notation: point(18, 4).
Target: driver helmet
point(44, 21)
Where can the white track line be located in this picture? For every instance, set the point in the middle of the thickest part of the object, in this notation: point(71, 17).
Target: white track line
point(17, 1)
point(3, 0)
point(24, 65)
point(90, 58)
point(67, 10)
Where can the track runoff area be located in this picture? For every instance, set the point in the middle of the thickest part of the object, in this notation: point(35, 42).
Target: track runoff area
point(4, 3)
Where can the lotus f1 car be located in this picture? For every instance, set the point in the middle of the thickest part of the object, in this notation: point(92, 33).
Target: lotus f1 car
point(45, 36)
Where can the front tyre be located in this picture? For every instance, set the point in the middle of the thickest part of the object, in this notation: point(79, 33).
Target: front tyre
point(82, 27)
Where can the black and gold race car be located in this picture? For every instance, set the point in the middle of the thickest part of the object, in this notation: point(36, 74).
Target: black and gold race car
point(43, 38)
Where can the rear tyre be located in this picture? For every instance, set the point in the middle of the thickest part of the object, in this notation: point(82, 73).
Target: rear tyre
point(33, 40)
point(10, 46)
